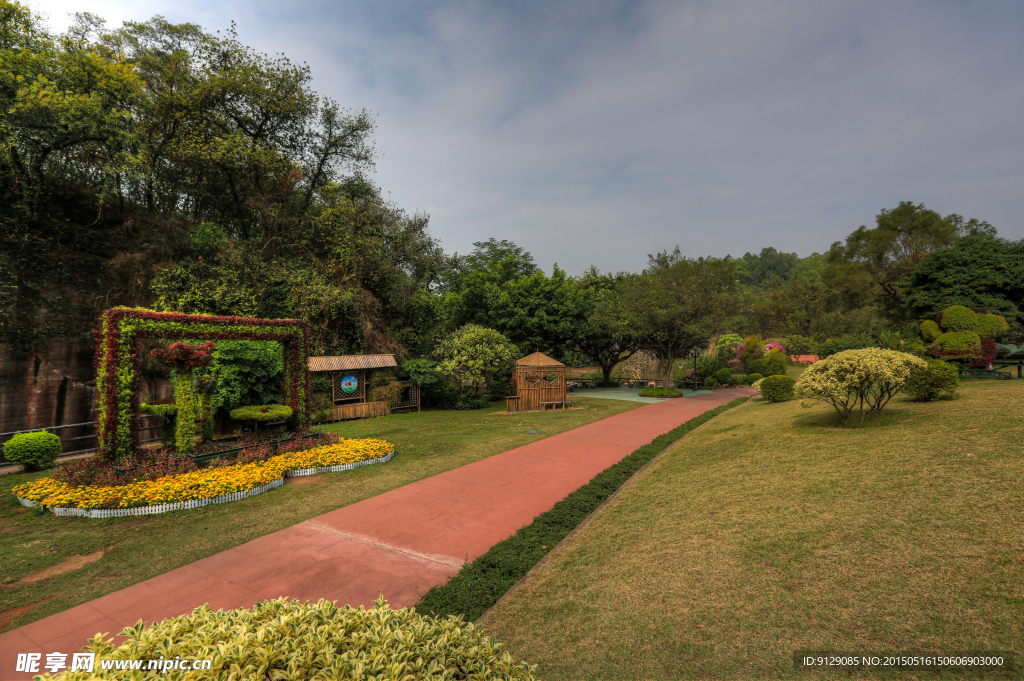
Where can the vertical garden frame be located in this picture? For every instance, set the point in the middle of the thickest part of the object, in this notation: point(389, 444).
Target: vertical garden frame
point(118, 359)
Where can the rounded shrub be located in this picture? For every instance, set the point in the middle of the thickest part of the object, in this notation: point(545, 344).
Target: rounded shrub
point(776, 388)
point(267, 413)
point(929, 331)
point(928, 383)
point(754, 378)
point(282, 640)
point(722, 375)
point(963, 344)
point(774, 363)
point(959, 318)
point(989, 325)
point(32, 451)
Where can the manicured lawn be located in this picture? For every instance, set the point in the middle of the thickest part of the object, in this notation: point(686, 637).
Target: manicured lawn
point(775, 529)
point(129, 550)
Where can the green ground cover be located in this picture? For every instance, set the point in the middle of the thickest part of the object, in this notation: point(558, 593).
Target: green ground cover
point(114, 553)
point(776, 529)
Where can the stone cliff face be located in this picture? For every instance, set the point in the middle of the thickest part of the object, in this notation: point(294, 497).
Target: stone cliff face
point(54, 385)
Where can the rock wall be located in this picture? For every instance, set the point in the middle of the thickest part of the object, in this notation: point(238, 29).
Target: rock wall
point(54, 385)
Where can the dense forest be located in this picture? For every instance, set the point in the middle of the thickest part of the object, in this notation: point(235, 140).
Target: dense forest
point(164, 166)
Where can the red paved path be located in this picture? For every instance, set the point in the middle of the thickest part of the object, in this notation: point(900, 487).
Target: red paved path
point(399, 543)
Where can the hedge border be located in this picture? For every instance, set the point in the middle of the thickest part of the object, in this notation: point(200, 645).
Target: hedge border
point(481, 585)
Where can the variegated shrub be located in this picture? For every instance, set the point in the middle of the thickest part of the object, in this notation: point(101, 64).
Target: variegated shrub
point(858, 379)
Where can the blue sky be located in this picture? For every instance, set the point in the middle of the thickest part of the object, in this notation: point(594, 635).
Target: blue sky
point(598, 132)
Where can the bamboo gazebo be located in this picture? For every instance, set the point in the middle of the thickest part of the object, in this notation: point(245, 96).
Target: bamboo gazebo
point(538, 383)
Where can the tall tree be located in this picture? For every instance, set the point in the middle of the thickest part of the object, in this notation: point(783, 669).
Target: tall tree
point(595, 333)
point(677, 304)
point(884, 255)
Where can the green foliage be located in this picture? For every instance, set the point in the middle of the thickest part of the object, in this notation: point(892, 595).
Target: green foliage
point(32, 451)
point(796, 344)
point(753, 349)
point(660, 392)
point(754, 378)
point(774, 363)
point(990, 325)
point(676, 305)
point(960, 344)
point(169, 412)
point(188, 410)
point(845, 342)
point(481, 583)
point(729, 342)
point(267, 413)
point(979, 271)
point(474, 356)
point(738, 379)
point(248, 372)
point(276, 639)
point(855, 379)
point(776, 388)
point(930, 331)
point(206, 387)
point(928, 383)
point(958, 318)
point(722, 375)
point(422, 372)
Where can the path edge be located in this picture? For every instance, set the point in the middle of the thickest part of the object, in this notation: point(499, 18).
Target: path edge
point(586, 521)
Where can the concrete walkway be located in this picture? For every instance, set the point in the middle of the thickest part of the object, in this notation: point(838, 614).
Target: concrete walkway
point(632, 394)
point(399, 543)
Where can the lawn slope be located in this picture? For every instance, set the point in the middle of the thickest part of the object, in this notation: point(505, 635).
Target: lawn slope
point(774, 529)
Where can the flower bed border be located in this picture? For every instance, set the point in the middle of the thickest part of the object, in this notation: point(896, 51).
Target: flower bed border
point(96, 513)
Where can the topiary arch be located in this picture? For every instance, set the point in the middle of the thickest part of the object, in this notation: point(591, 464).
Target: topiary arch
point(118, 358)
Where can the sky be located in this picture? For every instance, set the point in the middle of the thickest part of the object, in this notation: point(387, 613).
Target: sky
point(597, 132)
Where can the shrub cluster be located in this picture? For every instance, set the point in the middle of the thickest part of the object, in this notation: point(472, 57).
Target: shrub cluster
point(928, 383)
point(776, 388)
point(964, 335)
point(481, 583)
point(282, 640)
point(147, 465)
point(855, 379)
point(660, 392)
point(32, 451)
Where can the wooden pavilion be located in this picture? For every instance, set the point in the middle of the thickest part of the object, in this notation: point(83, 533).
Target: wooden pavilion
point(538, 383)
point(349, 386)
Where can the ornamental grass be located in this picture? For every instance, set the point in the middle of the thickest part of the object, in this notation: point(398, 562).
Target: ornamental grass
point(206, 483)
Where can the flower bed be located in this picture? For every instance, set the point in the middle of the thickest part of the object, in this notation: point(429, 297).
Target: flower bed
point(200, 487)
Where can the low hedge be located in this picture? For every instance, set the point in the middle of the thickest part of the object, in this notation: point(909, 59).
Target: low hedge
point(660, 392)
point(281, 640)
point(925, 385)
point(32, 451)
point(481, 583)
point(776, 388)
point(268, 413)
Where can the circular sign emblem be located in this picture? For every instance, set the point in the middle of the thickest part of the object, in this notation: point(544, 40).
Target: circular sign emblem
point(349, 384)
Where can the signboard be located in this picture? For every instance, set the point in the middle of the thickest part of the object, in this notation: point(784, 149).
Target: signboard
point(349, 384)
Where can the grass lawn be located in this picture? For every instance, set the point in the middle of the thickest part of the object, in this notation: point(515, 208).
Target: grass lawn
point(111, 554)
point(775, 529)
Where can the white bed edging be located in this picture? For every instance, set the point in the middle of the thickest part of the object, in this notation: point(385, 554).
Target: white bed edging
point(197, 503)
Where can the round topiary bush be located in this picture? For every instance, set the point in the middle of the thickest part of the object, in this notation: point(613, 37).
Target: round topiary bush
point(776, 388)
point(928, 383)
point(722, 375)
point(281, 640)
point(991, 325)
point(32, 451)
point(754, 378)
point(959, 318)
point(959, 344)
point(930, 331)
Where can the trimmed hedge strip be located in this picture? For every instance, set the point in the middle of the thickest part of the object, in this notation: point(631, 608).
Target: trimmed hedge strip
point(481, 583)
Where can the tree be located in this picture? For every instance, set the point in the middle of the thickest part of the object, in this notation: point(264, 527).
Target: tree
point(594, 332)
point(903, 237)
point(474, 356)
point(677, 304)
point(978, 271)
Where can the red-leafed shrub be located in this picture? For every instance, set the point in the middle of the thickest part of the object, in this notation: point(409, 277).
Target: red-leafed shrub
point(185, 357)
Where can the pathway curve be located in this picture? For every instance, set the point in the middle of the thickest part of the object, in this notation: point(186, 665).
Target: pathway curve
point(399, 543)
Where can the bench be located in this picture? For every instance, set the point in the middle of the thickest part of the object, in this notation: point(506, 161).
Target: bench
point(554, 405)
